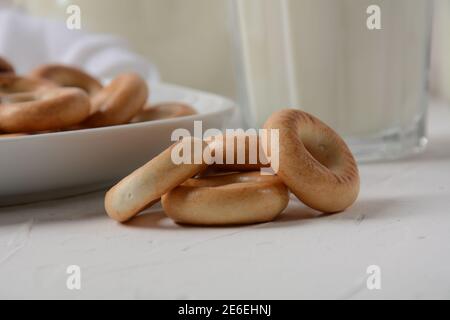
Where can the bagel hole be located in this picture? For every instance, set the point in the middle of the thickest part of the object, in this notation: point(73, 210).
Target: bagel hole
point(228, 179)
point(324, 152)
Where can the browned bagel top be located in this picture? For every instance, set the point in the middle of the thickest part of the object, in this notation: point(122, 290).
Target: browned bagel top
point(66, 76)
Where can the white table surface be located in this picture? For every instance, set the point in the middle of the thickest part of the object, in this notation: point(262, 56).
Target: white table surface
point(401, 223)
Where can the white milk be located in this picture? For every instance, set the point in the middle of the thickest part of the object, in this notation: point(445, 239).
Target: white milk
point(319, 55)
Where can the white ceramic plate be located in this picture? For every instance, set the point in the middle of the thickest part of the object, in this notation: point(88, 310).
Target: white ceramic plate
point(66, 163)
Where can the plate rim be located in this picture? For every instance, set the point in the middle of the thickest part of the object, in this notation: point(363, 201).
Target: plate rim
point(229, 107)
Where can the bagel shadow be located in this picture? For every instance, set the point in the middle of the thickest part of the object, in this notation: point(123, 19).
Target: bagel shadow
point(364, 209)
point(296, 213)
point(154, 219)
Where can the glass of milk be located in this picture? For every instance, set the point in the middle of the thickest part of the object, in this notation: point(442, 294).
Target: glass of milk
point(359, 65)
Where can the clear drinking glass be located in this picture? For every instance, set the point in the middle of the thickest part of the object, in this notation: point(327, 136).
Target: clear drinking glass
point(320, 55)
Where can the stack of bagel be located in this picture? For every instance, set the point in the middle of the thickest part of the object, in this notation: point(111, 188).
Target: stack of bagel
point(315, 164)
point(58, 97)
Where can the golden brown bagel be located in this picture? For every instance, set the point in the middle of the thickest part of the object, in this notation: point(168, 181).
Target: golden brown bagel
point(234, 199)
point(164, 111)
point(315, 163)
point(146, 185)
point(66, 76)
point(45, 109)
point(5, 66)
point(119, 102)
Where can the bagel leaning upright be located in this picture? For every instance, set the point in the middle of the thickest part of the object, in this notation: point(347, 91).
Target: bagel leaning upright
point(315, 162)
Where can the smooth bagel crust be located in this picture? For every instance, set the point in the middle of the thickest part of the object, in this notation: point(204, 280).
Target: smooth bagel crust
point(119, 102)
point(66, 76)
point(164, 111)
point(46, 109)
point(6, 67)
point(234, 199)
point(149, 183)
point(315, 162)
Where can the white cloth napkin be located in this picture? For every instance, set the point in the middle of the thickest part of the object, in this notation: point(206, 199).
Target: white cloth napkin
point(28, 41)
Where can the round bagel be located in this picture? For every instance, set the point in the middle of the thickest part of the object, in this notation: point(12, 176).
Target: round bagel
point(149, 183)
point(46, 109)
point(315, 162)
point(234, 199)
point(119, 102)
point(164, 111)
point(66, 76)
point(5, 66)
